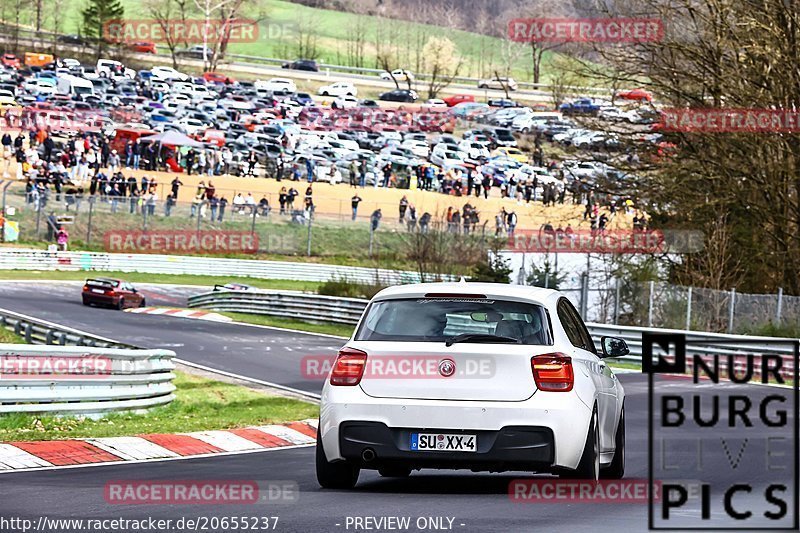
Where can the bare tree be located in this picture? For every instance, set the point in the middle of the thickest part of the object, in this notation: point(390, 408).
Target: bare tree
point(442, 63)
point(166, 13)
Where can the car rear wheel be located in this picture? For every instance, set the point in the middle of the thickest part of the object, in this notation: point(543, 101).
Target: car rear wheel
point(394, 471)
point(337, 475)
point(589, 466)
point(143, 303)
point(616, 470)
point(121, 304)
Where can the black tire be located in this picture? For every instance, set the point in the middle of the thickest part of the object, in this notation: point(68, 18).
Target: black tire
point(394, 471)
point(121, 304)
point(85, 302)
point(616, 470)
point(143, 303)
point(589, 466)
point(337, 475)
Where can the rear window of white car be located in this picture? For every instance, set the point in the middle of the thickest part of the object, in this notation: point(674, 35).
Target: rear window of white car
point(439, 319)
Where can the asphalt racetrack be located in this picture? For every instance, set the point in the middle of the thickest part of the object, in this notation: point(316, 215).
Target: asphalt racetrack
point(430, 500)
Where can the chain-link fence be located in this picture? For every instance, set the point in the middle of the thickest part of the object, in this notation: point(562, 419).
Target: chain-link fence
point(605, 297)
point(418, 242)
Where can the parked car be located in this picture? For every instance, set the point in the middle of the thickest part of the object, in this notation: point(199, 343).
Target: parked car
point(639, 95)
point(400, 95)
point(10, 61)
point(71, 39)
point(143, 47)
point(216, 77)
point(111, 293)
point(556, 406)
point(196, 52)
point(308, 65)
point(581, 106)
point(276, 86)
point(398, 74)
point(340, 88)
point(501, 83)
point(168, 73)
point(458, 99)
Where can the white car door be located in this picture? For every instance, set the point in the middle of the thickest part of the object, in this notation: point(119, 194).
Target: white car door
point(604, 379)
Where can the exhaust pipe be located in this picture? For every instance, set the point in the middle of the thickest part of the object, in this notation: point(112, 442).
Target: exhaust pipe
point(368, 455)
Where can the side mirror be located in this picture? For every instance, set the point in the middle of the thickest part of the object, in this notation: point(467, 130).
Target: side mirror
point(614, 347)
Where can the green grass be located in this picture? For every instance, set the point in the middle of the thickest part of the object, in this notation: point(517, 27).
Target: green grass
point(8, 337)
point(283, 22)
point(333, 242)
point(200, 404)
point(342, 330)
point(177, 279)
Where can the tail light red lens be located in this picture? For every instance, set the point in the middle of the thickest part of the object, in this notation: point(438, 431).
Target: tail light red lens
point(552, 372)
point(85, 288)
point(349, 367)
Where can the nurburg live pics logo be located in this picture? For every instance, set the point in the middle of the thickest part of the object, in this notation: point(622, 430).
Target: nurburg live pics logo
point(722, 440)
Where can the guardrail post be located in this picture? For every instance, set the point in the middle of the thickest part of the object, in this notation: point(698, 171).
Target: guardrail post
point(89, 222)
point(308, 244)
point(689, 309)
point(730, 311)
point(62, 338)
point(48, 338)
point(38, 217)
point(780, 306)
point(29, 333)
point(585, 296)
point(18, 328)
point(650, 305)
point(371, 235)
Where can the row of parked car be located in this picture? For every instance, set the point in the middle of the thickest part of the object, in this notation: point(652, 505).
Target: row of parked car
point(267, 117)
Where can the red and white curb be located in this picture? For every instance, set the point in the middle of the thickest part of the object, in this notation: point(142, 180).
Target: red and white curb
point(180, 313)
point(39, 455)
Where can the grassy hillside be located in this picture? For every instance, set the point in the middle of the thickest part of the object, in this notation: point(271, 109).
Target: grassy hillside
point(335, 36)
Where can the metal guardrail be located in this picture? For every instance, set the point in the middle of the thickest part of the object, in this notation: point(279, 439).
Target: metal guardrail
point(91, 379)
point(36, 331)
point(349, 311)
point(298, 305)
point(244, 60)
point(26, 259)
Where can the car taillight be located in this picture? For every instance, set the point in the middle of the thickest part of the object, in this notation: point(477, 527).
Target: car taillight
point(85, 287)
point(349, 367)
point(110, 292)
point(552, 372)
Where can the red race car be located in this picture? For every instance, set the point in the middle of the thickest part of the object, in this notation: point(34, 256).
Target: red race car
point(112, 293)
point(636, 94)
point(10, 61)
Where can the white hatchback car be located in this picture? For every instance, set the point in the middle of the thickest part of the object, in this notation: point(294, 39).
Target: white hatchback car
point(478, 376)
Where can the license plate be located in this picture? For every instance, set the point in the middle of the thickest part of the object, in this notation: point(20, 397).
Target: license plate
point(443, 442)
point(99, 291)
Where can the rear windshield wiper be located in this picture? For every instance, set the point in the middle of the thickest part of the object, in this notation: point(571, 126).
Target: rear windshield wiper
point(480, 337)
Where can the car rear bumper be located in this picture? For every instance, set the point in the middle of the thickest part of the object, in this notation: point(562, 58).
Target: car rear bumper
point(100, 299)
point(509, 448)
point(564, 415)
